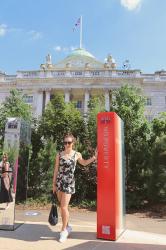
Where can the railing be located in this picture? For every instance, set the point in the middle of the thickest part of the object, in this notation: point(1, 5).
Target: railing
point(85, 74)
point(79, 73)
point(153, 78)
point(126, 73)
point(149, 78)
point(10, 78)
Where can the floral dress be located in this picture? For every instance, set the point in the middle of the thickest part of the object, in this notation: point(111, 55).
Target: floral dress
point(65, 181)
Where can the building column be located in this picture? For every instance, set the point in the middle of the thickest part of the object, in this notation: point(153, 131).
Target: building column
point(47, 98)
point(39, 104)
point(86, 100)
point(107, 99)
point(67, 95)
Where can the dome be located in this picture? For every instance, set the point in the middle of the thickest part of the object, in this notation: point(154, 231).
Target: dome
point(80, 52)
point(79, 58)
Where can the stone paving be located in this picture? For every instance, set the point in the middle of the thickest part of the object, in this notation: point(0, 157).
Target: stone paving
point(35, 233)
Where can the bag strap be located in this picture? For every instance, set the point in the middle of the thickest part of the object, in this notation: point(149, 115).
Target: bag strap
point(53, 199)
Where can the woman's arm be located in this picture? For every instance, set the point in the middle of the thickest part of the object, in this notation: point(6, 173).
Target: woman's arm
point(85, 162)
point(55, 172)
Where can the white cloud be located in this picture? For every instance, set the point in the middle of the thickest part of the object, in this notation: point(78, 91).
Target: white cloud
point(35, 35)
point(3, 29)
point(131, 4)
point(59, 48)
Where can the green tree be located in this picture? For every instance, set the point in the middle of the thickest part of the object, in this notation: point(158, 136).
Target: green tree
point(86, 182)
point(129, 103)
point(60, 118)
point(159, 125)
point(156, 188)
point(41, 170)
point(157, 177)
point(13, 106)
point(96, 105)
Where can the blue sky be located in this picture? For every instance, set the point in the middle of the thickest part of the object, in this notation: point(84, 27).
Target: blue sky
point(126, 29)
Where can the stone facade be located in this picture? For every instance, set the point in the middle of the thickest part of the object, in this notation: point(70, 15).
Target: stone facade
point(80, 76)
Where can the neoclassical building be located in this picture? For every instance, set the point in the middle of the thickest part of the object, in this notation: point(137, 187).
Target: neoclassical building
point(78, 77)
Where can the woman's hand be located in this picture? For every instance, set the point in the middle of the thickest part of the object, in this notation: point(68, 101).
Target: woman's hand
point(89, 161)
point(95, 155)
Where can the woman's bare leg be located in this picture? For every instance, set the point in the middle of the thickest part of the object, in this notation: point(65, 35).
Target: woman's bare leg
point(59, 196)
point(65, 199)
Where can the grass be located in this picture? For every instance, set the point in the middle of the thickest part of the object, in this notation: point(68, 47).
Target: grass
point(44, 202)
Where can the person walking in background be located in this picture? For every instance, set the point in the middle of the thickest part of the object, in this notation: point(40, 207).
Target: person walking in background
point(64, 181)
point(5, 191)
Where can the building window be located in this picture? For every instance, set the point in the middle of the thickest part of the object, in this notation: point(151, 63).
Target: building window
point(95, 73)
point(148, 101)
point(61, 73)
point(79, 104)
point(28, 98)
point(78, 73)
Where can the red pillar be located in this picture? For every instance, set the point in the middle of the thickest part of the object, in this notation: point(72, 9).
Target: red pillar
point(110, 176)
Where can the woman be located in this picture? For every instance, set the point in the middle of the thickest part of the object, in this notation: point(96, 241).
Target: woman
point(64, 182)
point(5, 192)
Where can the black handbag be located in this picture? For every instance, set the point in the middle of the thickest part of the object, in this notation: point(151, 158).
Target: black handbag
point(53, 215)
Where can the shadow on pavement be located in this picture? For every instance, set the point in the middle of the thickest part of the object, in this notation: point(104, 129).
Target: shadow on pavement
point(91, 245)
point(36, 232)
point(83, 235)
point(40, 232)
point(31, 232)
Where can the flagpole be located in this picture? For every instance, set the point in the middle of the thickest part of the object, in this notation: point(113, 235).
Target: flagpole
point(80, 32)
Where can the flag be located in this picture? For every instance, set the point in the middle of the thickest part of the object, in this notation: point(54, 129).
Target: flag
point(77, 24)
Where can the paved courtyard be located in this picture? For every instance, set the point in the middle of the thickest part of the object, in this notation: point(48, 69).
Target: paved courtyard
point(35, 233)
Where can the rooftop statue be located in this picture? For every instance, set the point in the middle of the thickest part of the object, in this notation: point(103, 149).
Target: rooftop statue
point(48, 59)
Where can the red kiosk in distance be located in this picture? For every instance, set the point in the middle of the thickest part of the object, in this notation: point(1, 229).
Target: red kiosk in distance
point(110, 176)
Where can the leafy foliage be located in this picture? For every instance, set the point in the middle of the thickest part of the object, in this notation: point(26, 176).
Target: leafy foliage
point(13, 106)
point(157, 178)
point(145, 145)
point(41, 170)
point(96, 105)
point(128, 103)
point(61, 118)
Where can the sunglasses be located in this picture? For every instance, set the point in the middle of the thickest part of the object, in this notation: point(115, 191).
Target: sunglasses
point(68, 142)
